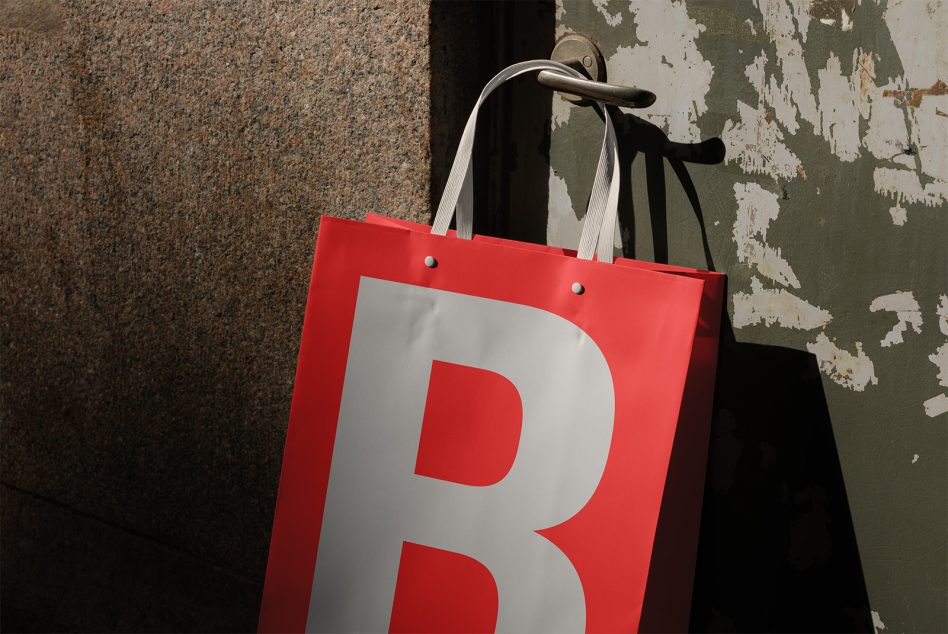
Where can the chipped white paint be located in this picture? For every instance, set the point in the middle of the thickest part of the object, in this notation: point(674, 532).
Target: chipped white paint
point(668, 61)
point(917, 29)
point(903, 131)
point(771, 94)
point(930, 134)
point(563, 228)
point(886, 136)
point(863, 79)
point(560, 112)
point(899, 215)
point(756, 209)
point(839, 110)
point(602, 6)
point(756, 144)
point(852, 371)
point(915, 26)
point(906, 187)
point(834, 111)
point(936, 405)
point(942, 312)
point(561, 28)
point(845, 22)
point(877, 624)
point(776, 306)
point(906, 310)
point(845, 103)
point(800, 9)
point(914, 458)
point(780, 24)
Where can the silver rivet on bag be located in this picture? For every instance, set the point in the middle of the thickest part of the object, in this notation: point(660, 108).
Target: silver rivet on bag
point(430, 262)
point(578, 288)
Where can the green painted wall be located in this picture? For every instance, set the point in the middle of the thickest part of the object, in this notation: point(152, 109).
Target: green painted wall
point(815, 137)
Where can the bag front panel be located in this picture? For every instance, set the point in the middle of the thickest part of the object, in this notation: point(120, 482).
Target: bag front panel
point(667, 600)
point(386, 339)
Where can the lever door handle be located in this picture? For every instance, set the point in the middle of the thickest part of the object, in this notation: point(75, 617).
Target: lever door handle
point(613, 94)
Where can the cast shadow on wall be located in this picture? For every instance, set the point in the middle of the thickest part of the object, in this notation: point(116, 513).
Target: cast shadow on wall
point(777, 549)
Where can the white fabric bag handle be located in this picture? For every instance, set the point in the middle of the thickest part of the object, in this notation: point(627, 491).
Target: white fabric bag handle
point(600, 222)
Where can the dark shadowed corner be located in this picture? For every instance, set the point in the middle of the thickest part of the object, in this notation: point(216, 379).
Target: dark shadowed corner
point(470, 42)
point(778, 550)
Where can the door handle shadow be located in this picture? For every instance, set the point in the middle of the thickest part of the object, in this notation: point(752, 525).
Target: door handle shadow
point(638, 136)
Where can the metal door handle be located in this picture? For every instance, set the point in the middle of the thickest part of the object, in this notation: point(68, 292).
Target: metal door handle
point(581, 53)
point(614, 94)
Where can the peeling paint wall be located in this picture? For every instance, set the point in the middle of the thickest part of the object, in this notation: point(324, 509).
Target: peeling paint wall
point(828, 213)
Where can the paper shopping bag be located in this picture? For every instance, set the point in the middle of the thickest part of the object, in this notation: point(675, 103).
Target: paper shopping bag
point(480, 434)
point(667, 603)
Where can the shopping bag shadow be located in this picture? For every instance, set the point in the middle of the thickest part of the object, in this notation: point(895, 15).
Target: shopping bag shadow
point(777, 550)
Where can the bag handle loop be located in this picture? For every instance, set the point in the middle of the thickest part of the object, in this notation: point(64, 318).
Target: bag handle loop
point(600, 221)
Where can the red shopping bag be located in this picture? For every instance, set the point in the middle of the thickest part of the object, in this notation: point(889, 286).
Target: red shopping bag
point(480, 433)
point(667, 602)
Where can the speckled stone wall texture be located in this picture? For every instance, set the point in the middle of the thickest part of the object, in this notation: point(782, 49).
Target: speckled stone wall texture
point(163, 165)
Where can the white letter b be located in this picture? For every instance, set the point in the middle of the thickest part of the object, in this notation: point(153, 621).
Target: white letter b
point(375, 501)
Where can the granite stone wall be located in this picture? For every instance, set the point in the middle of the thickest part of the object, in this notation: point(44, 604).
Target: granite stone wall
point(163, 165)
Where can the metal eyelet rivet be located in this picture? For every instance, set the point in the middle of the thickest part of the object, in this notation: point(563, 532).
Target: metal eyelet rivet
point(578, 288)
point(430, 262)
